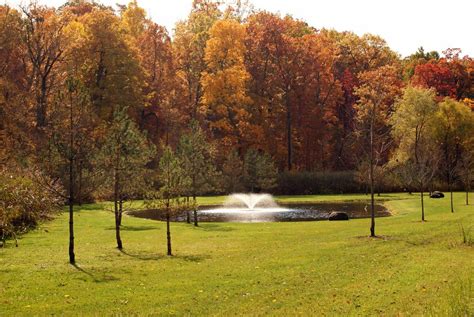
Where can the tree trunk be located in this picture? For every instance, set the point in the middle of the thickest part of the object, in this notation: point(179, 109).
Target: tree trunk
point(41, 104)
point(468, 187)
point(79, 185)
point(288, 133)
point(422, 206)
point(372, 202)
point(451, 194)
point(168, 233)
point(72, 256)
point(120, 211)
point(450, 188)
point(116, 211)
point(188, 213)
point(195, 211)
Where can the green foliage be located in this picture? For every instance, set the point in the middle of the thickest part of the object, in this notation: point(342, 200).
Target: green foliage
point(125, 154)
point(196, 156)
point(173, 177)
point(260, 173)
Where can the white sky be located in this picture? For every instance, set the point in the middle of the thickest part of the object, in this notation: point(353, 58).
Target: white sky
point(404, 24)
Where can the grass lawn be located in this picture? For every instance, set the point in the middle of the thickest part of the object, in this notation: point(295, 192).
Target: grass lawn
point(308, 268)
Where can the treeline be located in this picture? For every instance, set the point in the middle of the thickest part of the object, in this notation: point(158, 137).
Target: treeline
point(102, 101)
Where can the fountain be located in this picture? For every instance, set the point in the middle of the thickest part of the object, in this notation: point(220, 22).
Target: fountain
point(263, 208)
point(250, 201)
point(246, 208)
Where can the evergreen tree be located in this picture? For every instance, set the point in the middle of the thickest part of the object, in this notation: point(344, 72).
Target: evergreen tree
point(260, 172)
point(124, 156)
point(196, 156)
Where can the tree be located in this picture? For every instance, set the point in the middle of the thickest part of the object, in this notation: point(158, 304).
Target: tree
point(196, 156)
point(412, 128)
point(109, 65)
point(16, 120)
point(232, 170)
point(454, 124)
point(189, 45)
point(259, 171)
point(43, 37)
point(71, 122)
point(225, 102)
point(355, 55)
point(173, 179)
point(450, 75)
point(376, 93)
point(123, 158)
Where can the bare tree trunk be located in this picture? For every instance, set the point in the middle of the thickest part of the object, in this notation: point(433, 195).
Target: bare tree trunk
point(72, 256)
point(188, 213)
point(168, 233)
point(468, 187)
point(372, 201)
point(79, 185)
point(451, 194)
point(195, 211)
point(120, 210)
point(452, 204)
point(116, 211)
point(422, 206)
point(288, 133)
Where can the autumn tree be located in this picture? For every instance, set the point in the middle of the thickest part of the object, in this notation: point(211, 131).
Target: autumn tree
point(273, 58)
point(189, 45)
point(355, 55)
point(376, 94)
point(123, 158)
point(197, 158)
point(109, 65)
point(224, 82)
point(412, 129)
point(43, 38)
point(454, 126)
point(16, 119)
point(449, 76)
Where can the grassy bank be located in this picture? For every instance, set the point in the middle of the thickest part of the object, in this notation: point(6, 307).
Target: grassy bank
point(319, 268)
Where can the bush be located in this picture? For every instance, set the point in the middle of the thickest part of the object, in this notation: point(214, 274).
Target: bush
point(306, 183)
point(23, 204)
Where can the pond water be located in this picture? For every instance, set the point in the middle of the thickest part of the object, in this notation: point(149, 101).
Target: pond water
point(282, 212)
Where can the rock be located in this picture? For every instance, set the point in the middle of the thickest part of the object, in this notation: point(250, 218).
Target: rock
point(338, 216)
point(437, 194)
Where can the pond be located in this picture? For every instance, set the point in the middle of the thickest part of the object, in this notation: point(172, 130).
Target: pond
point(282, 212)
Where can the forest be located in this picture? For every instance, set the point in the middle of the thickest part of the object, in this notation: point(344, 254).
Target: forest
point(101, 103)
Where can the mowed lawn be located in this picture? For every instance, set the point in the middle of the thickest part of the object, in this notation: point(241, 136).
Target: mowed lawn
point(308, 268)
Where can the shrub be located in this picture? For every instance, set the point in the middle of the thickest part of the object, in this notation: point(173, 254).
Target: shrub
point(306, 183)
point(23, 203)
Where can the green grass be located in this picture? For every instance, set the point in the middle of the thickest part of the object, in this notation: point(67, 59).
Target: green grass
point(308, 268)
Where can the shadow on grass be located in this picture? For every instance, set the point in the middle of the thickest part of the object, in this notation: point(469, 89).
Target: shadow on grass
point(144, 256)
point(95, 277)
point(215, 227)
point(134, 228)
point(97, 207)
